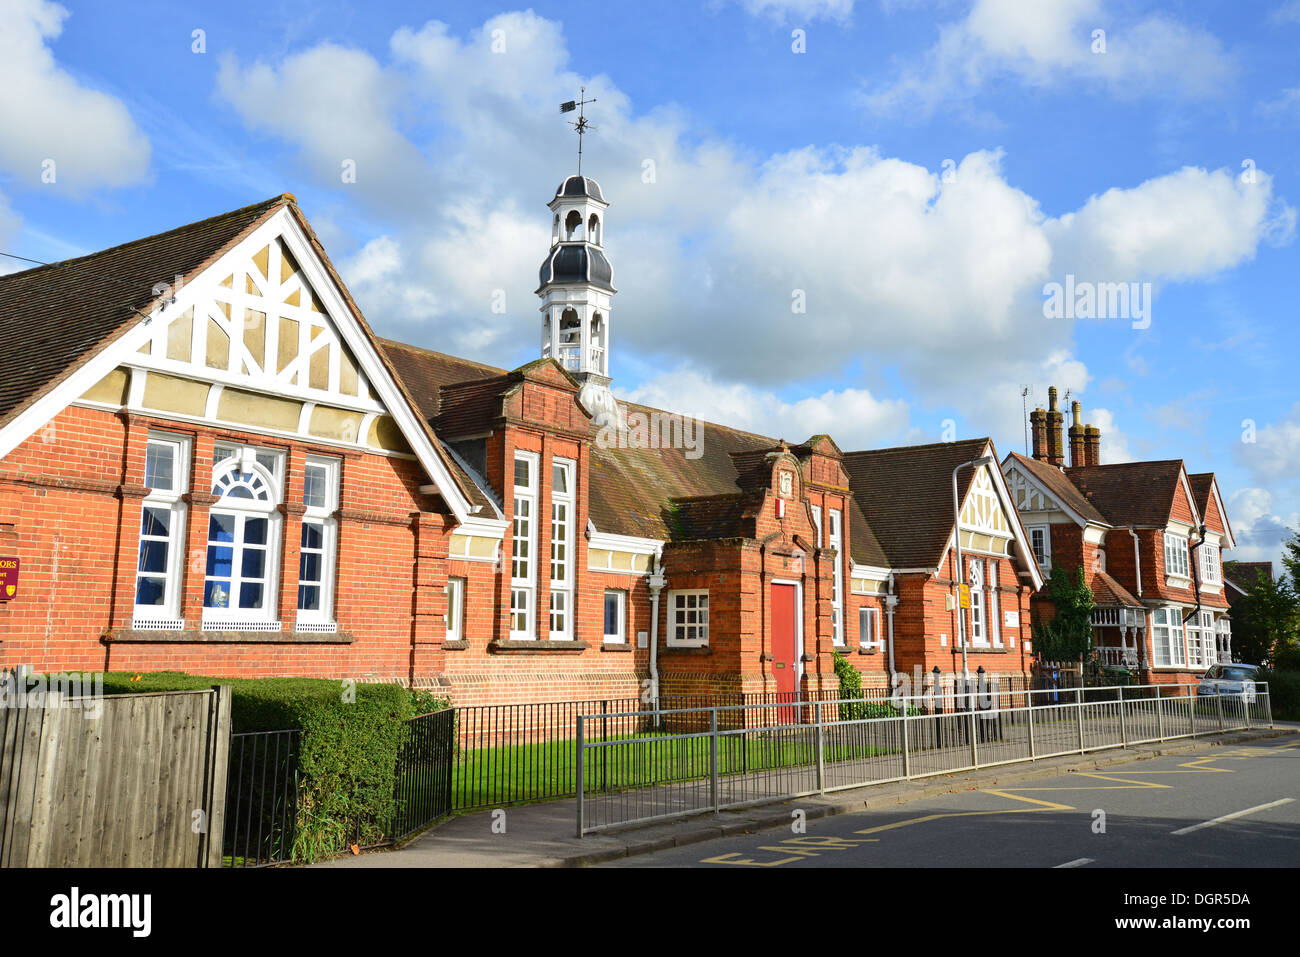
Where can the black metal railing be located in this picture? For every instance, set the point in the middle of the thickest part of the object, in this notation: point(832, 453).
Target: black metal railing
point(422, 791)
point(262, 787)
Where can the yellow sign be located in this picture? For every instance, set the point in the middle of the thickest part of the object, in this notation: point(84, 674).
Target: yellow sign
point(963, 595)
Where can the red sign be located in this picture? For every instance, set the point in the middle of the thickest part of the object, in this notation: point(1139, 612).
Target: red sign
point(8, 578)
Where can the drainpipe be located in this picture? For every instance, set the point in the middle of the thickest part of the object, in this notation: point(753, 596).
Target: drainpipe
point(656, 583)
point(1142, 631)
point(891, 600)
point(1196, 579)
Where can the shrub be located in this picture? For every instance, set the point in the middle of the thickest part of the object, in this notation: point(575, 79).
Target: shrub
point(851, 687)
point(347, 760)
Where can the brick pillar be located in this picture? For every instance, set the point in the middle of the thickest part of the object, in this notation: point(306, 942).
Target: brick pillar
point(1038, 426)
point(429, 625)
point(1092, 445)
point(131, 493)
point(1078, 454)
point(1055, 427)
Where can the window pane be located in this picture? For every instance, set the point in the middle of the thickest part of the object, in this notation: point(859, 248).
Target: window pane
point(309, 598)
point(560, 481)
point(309, 567)
point(153, 556)
point(220, 559)
point(221, 528)
point(255, 531)
point(250, 595)
point(254, 561)
point(155, 522)
point(522, 475)
point(216, 594)
point(160, 466)
point(150, 591)
point(315, 481)
point(313, 535)
point(611, 613)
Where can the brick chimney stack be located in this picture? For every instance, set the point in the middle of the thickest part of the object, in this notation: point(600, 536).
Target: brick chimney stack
point(1078, 456)
point(1092, 445)
point(1038, 426)
point(1055, 431)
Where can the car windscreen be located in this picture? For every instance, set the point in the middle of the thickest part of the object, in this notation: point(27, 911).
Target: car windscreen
point(1238, 674)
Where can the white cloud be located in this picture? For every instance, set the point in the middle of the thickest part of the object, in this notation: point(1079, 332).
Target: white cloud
point(935, 278)
point(1275, 453)
point(1257, 525)
point(853, 417)
point(799, 10)
point(1051, 43)
point(49, 115)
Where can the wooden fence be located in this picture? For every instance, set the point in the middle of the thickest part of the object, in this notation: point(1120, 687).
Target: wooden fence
point(116, 781)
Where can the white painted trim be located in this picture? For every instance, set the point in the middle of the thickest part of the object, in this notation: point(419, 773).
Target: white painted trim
point(1041, 488)
point(869, 572)
point(622, 543)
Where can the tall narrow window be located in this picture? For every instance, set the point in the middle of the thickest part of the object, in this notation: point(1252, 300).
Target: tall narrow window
point(1209, 563)
point(1040, 540)
point(523, 565)
point(615, 616)
point(817, 523)
point(562, 497)
point(162, 534)
point(978, 626)
point(455, 609)
point(239, 589)
point(317, 558)
point(837, 581)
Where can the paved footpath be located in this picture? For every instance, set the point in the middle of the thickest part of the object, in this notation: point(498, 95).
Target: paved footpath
point(542, 835)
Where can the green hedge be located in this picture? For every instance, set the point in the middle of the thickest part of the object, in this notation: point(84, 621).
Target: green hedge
point(347, 762)
point(1283, 693)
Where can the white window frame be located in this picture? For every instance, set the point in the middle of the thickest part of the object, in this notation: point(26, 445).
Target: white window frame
point(562, 598)
point(268, 466)
point(817, 523)
point(619, 636)
point(1209, 557)
point(678, 601)
point(836, 542)
point(978, 623)
point(455, 614)
point(869, 627)
point(1177, 563)
point(322, 515)
point(523, 588)
point(994, 604)
point(1044, 563)
point(165, 616)
point(1174, 641)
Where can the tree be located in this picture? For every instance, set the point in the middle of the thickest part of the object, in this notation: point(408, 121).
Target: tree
point(1068, 635)
point(1264, 623)
point(1291, 558)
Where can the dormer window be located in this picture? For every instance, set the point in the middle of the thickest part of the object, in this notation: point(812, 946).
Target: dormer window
point(1176, 562)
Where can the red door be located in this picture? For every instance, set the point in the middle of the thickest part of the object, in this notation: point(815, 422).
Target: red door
point(785, 644)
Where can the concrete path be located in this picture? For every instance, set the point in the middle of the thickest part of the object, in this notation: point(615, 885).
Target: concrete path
point(543, 835)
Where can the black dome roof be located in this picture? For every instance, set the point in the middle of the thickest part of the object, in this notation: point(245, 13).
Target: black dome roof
point(577, 262)
point(580, 186)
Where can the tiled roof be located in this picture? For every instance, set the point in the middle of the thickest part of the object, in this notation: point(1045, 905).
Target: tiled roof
point(1055, 481)
point(1107, 591)
point(55, 318)
point(906, 495)
point(1130, 493)
point(425, 372)
point(1244, 574)
point(715, 516)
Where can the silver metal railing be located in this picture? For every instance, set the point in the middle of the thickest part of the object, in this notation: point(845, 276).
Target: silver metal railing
point(677, 762)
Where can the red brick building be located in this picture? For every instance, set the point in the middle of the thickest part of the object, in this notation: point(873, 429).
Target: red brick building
point(209, 463)
point(1149, 537)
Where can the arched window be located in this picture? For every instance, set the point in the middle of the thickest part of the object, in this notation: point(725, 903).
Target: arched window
point(573, 226)
point(593, 228)
point(570, 339)
point(239, 587)
point(555, 230)
point(598, 344)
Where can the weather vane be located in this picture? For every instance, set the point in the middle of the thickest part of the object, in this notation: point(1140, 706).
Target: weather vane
point(580, 125)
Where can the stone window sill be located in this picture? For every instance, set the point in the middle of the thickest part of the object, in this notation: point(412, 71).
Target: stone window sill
point(194, 636)
point(615, 646)
point(687, 650)
point(526, 647)
point(455, 645)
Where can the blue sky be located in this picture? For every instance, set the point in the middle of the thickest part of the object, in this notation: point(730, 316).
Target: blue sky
point(774, 171)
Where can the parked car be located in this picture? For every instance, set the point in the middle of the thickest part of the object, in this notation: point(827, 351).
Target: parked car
point(1230, 679)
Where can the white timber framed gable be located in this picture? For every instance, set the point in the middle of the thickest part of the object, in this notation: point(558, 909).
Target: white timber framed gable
point(989, 523)
point(261, 341)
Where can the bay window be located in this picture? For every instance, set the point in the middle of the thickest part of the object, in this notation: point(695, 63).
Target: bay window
point(1176, 564)
point(1168, 637)
point(162, 534)
point(319, 546)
